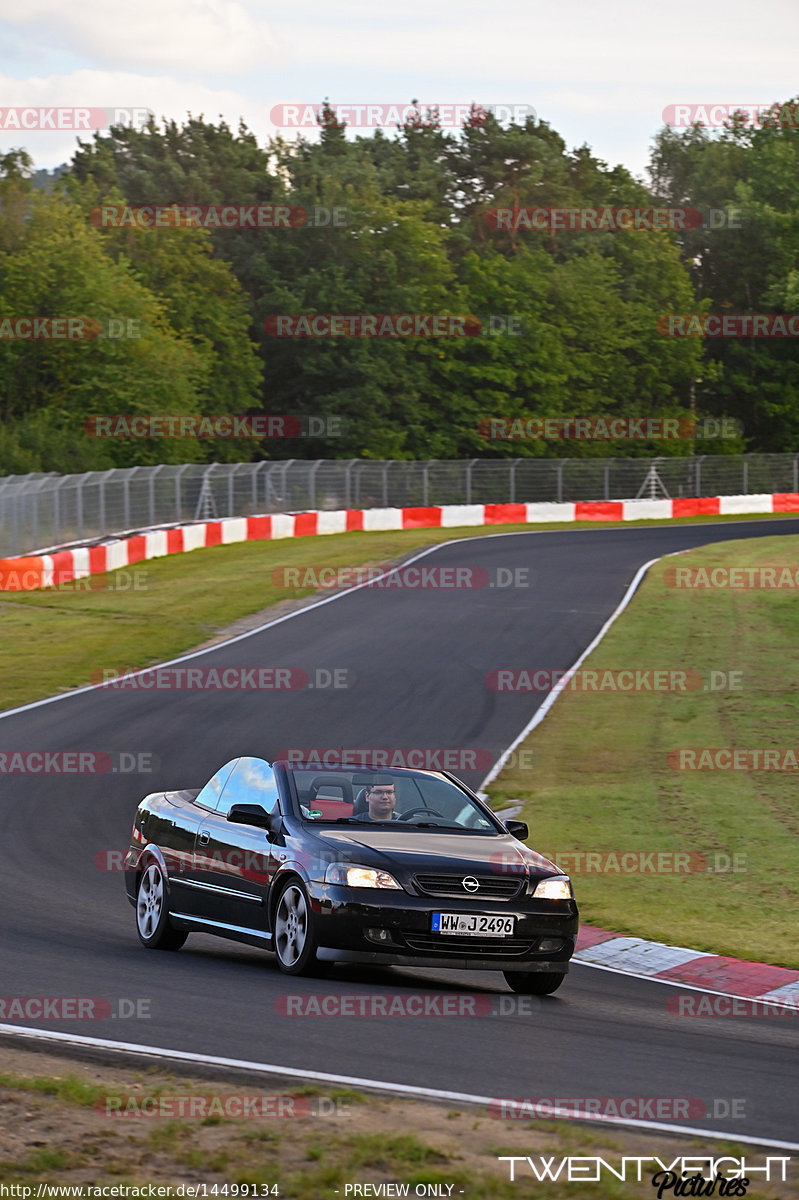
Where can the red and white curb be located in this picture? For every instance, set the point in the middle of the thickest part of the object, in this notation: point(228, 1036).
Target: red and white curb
point(683, 967)
point(26, 573)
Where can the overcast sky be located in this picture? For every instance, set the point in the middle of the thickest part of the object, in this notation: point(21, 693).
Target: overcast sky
point(601, 72)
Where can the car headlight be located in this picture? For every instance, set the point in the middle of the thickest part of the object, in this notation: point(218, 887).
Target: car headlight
point(352, 875)
point(554, 889)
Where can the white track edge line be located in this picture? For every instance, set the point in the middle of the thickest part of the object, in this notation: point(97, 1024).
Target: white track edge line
point(544, 708)
point(539, 715)
point(93, 687)
point(763, 998)
point(317, 604)
point(399, 1089)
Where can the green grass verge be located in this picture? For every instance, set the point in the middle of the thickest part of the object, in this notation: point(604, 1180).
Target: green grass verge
point(55, 1135)
point(54, 640)
point(601, 780)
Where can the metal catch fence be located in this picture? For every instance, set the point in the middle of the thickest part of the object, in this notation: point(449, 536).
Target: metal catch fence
point(38, 512)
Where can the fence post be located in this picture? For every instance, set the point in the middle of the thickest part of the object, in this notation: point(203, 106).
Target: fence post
point(469, 466)
point(255, 475)
point(385, 484)
point(79, 506)
point(57, 511)
point(178, 502)
point(607, 479)
point(699, 462)
point(513, 464)
point(153, 472)
point(286, 504)
point(796, 472)
point(561, 465)
point(745, 474)
point(426, 483)
point(312, 489)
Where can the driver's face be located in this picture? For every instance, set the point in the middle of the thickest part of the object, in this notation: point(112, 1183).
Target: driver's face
point(381, 800)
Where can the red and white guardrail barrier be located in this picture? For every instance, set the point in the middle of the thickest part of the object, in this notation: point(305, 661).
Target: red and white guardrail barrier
point(62, 566)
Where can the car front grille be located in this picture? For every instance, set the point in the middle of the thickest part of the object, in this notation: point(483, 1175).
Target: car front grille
point(492, 887)
point(467, 947)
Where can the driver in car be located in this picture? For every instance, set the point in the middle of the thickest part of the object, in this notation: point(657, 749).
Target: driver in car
point(381, 798)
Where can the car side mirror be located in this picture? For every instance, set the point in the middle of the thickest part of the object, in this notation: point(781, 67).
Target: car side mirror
point(250, 814)
point(518, 829)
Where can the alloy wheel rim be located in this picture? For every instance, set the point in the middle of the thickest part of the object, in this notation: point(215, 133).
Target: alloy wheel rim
point(150, 901)
point(291, 926)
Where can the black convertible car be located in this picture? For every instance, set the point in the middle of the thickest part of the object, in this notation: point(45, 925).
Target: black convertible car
point(351, 865)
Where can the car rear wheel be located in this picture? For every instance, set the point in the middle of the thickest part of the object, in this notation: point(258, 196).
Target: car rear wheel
point(534, 983)
point(152, 918)
point(295, 938)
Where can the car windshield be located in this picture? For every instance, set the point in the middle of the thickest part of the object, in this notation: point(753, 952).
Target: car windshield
point(402, 799)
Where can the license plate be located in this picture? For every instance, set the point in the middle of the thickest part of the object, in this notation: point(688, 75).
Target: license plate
point(473, 926)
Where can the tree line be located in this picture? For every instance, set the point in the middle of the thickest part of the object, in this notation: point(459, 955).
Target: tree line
point(398, 296)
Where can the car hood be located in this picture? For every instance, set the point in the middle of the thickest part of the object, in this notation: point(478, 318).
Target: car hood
point(411, 851)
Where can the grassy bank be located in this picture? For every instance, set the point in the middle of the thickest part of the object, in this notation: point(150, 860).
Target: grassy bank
point(52, 640)
point(608, 775)
point(54, 1130)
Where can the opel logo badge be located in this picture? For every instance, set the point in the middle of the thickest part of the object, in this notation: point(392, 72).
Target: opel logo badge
point(471, 884)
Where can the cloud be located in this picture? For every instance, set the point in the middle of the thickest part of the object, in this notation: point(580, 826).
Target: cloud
point(112, 90)
point(215, 36)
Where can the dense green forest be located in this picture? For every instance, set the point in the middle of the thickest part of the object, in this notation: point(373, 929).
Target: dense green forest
point(180, 318)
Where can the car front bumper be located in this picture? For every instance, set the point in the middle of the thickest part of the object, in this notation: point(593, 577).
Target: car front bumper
point(345, 918)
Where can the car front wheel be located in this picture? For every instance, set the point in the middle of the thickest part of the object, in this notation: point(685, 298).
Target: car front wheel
point(295, 939)
point(152, 918)
point(534, 983)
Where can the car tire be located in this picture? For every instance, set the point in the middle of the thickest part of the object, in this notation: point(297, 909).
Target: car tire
point(294, 932)
point(155, 930)
point(534, 983)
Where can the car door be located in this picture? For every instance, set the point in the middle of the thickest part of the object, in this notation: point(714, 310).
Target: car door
point(233, 863)
point(179, 844)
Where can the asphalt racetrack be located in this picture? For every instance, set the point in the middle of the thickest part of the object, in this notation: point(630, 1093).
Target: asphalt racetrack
point(416, 661)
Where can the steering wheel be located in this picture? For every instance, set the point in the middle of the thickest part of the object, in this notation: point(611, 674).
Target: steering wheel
point(433, 812)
